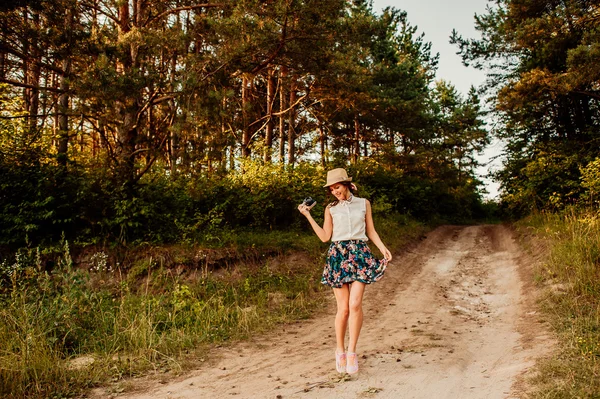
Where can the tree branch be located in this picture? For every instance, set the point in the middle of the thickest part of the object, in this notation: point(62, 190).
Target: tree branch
point(106, 13)
point(300, 99)
point(151, 162)
point(102, 133)
point(282, 44)
point(10, 50)
point(594, 94)
point(163, 99)
point(177, 9)
point(20, 84)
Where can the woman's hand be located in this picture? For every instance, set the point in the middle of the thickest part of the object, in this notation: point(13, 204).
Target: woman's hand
point(305, 210)
point(387, 254)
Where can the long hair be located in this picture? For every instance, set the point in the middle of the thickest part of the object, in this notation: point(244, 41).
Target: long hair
point(335, 201)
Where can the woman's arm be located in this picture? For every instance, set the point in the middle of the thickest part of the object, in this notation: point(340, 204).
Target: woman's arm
point(324, 233)
point(372, 233)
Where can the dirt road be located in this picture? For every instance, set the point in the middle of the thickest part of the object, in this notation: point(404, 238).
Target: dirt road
point(453, 318)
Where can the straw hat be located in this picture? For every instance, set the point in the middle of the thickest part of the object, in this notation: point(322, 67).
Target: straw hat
point(338, 175)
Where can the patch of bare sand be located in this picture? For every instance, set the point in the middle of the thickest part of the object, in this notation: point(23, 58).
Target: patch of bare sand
point(453, 318)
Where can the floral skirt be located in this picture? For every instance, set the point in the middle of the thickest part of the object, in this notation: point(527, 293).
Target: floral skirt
point(349, 261)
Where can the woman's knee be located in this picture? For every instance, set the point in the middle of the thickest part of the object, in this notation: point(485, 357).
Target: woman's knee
point(343, 311)
point(355, 306)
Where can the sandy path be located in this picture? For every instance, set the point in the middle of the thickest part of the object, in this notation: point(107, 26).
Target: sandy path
point(453, 318)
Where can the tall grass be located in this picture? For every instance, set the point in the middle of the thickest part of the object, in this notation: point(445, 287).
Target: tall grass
point(571, 272)
point(51, 320)
point(88, 322)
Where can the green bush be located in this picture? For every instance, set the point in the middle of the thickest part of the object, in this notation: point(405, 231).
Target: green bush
point(549, 178)
point(89, 208)
point(590, 181)
point(422, 197)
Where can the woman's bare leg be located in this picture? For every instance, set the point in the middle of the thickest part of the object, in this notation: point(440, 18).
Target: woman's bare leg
point(342, 296)
point(355, 319)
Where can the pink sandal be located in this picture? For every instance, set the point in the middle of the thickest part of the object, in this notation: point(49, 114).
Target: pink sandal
point(352, 363)
point(340, 362)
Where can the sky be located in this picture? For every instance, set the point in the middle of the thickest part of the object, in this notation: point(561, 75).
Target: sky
point(437, 18)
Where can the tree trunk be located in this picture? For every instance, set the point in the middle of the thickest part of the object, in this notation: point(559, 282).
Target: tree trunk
point(224, 135)
point(174, 139)
point(3, 66)
point(291, 126)
point(232, 157)
point(104, 143)
point(127, 109)
point(356, 149)
point(245, 122)
point(47, 102)
point(63, 98)
point(282, 98)
point(137, 11)
point(405, 145)
point(323, 144)
point(124, 17)
point(269, 129)
point(127, 135)
point(2, 53)
point(63, 118)
point(32, 73)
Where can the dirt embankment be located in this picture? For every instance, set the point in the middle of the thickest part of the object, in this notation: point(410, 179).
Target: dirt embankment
point(453, 318)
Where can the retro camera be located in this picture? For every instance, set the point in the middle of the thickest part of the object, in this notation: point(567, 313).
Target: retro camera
point(309, 202)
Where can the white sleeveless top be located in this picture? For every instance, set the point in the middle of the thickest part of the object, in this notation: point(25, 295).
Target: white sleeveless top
point(349, 220)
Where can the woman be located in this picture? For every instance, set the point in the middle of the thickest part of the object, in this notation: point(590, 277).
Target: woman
point(350, 263)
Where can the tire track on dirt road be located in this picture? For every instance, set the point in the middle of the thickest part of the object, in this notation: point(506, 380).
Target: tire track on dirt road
point(452, 318)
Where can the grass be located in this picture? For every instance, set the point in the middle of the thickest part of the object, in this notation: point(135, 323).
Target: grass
point(571, 274)
point(100, 317)
point(131, 325)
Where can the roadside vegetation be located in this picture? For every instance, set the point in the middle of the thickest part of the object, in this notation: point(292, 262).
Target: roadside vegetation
point(92, 320)
point(88, 312)
point(569, 273)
